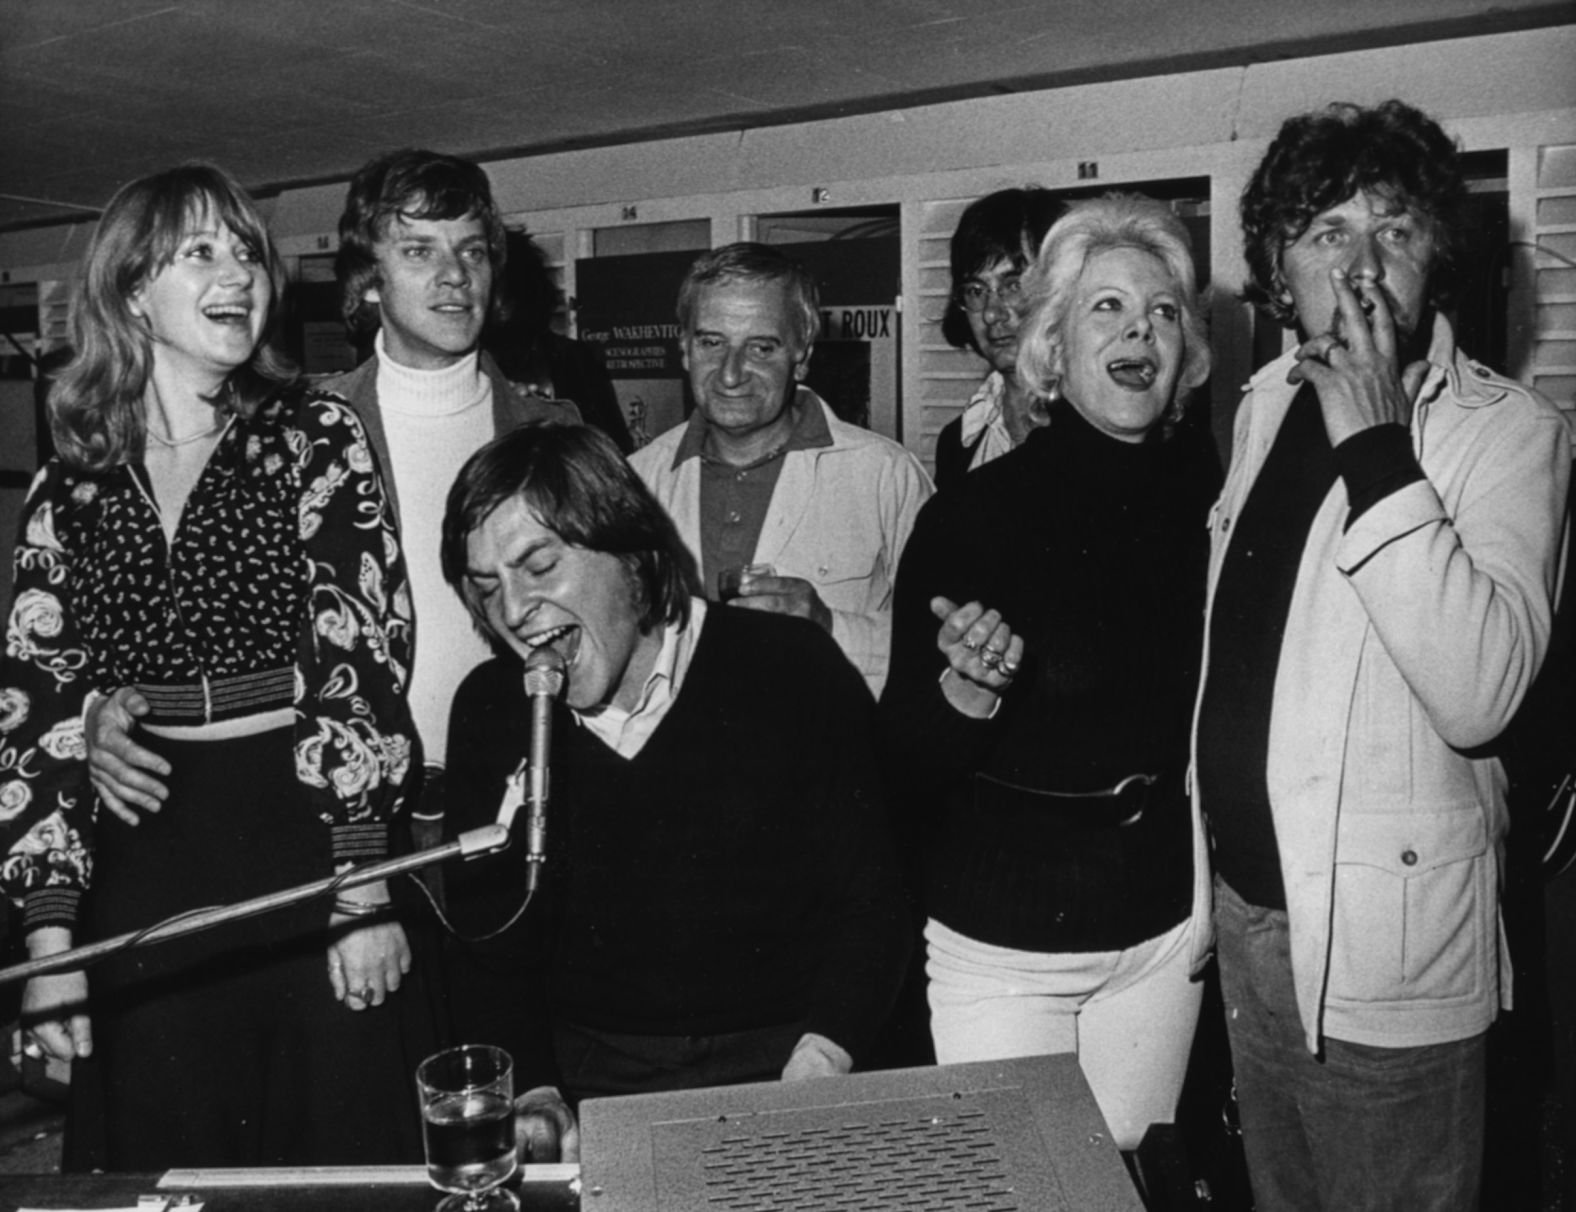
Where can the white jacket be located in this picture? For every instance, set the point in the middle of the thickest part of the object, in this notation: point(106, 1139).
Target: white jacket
point(1410, 641)
point(840, 516)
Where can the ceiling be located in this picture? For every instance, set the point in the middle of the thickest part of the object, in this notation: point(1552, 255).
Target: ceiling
point(288, 92)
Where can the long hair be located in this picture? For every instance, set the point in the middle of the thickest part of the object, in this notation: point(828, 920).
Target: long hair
point(1320, 160)
point(412, 184)
point(95, 407)
point(1090, 227)
point(1008, 225)
point(747, 262)
point(573, 478)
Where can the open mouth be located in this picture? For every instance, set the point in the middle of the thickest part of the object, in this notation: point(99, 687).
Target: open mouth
point(228, 313)
point(1135, 374)
point(564, 640)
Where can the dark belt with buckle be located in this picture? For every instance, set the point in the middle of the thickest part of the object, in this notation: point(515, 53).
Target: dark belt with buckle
point(1120, 805)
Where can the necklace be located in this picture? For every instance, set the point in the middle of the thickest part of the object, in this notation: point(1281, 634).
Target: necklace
point(173, 443)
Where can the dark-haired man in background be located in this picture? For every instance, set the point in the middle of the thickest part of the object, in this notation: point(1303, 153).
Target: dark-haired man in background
point(530, 352)
point(1385, 555)
point(996, 240)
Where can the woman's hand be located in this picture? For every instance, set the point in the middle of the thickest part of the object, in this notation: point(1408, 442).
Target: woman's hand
point(367, 959)
point(54, 1007)
point(982, 655)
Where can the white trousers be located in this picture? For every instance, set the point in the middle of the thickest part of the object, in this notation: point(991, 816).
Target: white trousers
point(1128, 1015)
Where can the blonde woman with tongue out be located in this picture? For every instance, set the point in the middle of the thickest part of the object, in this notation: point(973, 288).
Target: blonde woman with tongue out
point(1046, 634)
point(210, 555)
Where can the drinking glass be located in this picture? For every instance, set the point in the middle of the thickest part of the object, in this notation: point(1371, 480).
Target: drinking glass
point(467, 1125)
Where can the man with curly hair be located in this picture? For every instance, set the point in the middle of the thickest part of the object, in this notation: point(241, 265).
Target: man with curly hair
point(1384, 558)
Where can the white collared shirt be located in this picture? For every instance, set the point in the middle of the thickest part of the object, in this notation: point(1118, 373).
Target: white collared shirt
point(983, 414)
point(626, 732)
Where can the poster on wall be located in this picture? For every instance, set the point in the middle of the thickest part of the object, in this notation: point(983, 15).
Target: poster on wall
point(624, 307)
point(855, 364)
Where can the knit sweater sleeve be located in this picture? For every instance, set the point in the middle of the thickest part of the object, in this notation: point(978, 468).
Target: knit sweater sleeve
point(921, 732)
point(354, 735)
point(46, 817)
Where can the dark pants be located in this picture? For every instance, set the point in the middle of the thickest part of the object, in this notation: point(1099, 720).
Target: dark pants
point(1354, 1127)
point(595, 1064)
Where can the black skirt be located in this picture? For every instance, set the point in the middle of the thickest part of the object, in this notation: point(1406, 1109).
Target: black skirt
point(227, 1048)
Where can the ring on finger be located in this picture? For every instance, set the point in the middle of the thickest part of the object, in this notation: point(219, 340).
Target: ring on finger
point(971, 645)
point(991, 657)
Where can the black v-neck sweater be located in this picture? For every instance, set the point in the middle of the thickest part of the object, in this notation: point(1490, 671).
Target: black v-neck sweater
point(735, 874)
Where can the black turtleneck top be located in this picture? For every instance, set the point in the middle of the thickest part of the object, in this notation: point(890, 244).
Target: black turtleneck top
point(1094, 550)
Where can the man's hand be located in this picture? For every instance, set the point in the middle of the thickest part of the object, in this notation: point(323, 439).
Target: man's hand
point(545, 1130)
point(121, 770)
point(784, 595)
point(1354, 366)
point(816, 1056)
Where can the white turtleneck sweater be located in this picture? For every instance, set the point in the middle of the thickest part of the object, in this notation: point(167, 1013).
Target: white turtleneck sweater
point(435, 420)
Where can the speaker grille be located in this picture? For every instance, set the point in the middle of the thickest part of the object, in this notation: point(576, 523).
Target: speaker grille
point(921, 1155)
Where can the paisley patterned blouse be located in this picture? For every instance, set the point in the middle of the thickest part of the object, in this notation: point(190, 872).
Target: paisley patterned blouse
point(284, 587)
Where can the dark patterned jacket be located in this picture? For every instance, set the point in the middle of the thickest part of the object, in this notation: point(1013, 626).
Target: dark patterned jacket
point(284, 587)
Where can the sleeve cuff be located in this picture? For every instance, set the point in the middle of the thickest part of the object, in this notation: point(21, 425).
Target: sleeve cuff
point(1373, 464)
point(978, 719)
point(55, 906)
point(430, 804)
point(353, 843)
point(816, 1056)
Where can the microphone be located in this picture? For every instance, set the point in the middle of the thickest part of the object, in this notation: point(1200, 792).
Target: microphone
point(544, 681)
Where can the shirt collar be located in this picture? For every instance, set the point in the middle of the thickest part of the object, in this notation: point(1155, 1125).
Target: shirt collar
point(984, 417)
point(626, 732)
point(984, 408)
point(810, 430)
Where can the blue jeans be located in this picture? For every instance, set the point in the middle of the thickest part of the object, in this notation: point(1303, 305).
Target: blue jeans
point(1354, 1127)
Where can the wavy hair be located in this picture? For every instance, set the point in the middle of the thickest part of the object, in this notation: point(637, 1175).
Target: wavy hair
point(1321, 159)
point(573, 478)
point(411, 184)
point(747, 262)
point(1094, 226)
point(95, 406)
point(1008, 225)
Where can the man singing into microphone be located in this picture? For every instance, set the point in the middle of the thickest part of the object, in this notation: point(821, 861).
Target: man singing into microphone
point(718, 901)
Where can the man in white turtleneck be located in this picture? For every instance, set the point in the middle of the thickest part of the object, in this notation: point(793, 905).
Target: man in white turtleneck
point(420, 245)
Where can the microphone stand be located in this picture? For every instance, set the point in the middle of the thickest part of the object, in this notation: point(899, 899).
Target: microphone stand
point(482, 840)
